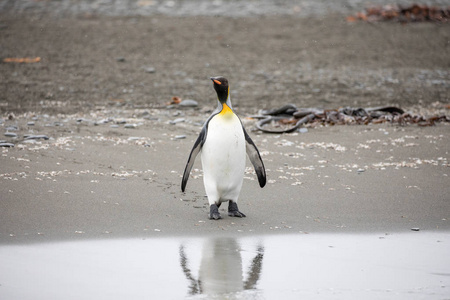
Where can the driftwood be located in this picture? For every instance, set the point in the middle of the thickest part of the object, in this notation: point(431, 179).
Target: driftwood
point(290, 114)
point(403, 14)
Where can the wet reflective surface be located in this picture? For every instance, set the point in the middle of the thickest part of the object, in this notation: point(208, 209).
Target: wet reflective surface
point(310, 266)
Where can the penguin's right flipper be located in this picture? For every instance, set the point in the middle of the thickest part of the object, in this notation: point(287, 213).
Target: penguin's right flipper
point(194, 152)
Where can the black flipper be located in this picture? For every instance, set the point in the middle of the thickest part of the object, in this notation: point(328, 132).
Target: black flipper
point(256, 160)
point(194, 152)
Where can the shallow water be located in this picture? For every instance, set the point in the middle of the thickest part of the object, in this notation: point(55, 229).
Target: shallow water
point(312, 266)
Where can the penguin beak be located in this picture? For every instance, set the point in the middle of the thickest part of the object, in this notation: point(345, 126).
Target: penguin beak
point(215, 80)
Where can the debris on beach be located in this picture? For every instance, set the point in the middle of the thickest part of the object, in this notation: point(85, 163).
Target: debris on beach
point(402, 14)
point(27, 60)
point(289, 118)
point(182, 103)
point(175, 100)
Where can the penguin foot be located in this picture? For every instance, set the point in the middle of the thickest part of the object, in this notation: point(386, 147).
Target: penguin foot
point(233, 210)
point(214, 212)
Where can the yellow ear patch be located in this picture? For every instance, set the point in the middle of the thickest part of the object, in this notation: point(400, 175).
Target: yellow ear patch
point(225, 110)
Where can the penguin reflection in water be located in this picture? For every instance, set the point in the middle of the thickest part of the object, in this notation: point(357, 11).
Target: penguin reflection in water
point(223, 143)
point(222, 268)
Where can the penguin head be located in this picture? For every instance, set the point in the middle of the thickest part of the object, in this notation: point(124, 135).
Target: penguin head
point(221, 87)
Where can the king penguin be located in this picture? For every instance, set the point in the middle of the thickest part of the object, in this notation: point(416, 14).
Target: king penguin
point(223, 144)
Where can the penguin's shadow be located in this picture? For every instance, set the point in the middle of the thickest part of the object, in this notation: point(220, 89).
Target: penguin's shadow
point(221, 268)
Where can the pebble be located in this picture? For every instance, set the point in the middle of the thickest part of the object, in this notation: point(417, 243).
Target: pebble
point(179, 137)
point(303, 130)
point(114, 126)
point(150, 70)
point(104, 121)
point(151, 118)
point(30, 123)
point(415, 229)
point(36, 137)
point(6, 145)
point(179, 120)
point(361, 170)
point(120, 59)
point(130, 125)
point(188, 103)
point(12, 128)
point(11, 134)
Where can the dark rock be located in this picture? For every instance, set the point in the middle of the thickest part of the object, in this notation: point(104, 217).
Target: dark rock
point(11, 134)
point(36, 137)
point(6, 145)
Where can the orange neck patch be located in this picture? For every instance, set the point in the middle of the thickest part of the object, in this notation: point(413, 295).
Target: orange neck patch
point(225, 109)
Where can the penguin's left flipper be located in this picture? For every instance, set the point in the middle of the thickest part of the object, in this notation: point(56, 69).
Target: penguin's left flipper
point(256, 160)
point(194, 152)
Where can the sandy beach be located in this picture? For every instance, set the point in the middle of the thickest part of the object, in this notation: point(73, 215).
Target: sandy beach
point(98, 181)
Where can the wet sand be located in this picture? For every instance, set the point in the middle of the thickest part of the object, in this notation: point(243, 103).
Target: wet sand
point(108, 181)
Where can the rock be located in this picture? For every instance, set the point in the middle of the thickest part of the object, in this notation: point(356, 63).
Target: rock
point(120, 59)
point(303, 130)
point(415, 229)
point(11, 134)
point(179, 120)
point(104, 121)
point(361, 170)
point(131, 126)
point(36, 137)
point(150, 70)
point(188, 103)
point(6, 145)
point(31, 123)
point(151, 118)
point(179, 137)
point(12, 128)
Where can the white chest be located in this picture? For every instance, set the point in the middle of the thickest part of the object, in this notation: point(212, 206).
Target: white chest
point(225, 137)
